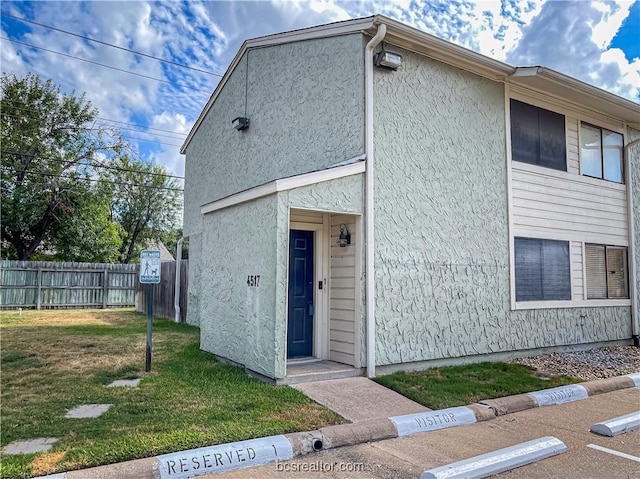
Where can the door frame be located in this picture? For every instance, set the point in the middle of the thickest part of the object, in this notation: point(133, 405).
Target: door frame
point(320, 273)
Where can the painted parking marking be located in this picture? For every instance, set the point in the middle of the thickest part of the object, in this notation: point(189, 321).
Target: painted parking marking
point(225, 457)
point(433, 420)
point(614, 452)
point(619, 425)
point(499, 461)
point(559, 395)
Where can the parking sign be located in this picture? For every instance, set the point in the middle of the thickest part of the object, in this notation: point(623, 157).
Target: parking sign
point(150, 266)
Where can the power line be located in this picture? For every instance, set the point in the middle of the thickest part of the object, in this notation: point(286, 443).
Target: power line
point(142, 127)
point(111, 45)
point(138, 130)
point(95, 180)
point(93, 165)
point(98, 180)
point(128, 136)
point(102, 65)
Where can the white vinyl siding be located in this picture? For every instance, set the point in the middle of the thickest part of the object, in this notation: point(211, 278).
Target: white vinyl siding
point(304, 216)
point(559, 205)
point(565, 205)
point(573, 147)
point(577, 277)
point(342, 284)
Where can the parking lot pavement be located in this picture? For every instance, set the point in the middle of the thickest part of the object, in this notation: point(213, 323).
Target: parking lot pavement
point(408, 457)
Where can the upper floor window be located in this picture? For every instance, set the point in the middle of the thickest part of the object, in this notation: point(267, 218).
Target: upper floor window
point(601, 152)
point(538, 136)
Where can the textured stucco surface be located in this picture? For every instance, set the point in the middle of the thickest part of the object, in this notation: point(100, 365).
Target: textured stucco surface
point(248, 324)
point(305, 104)
point(194, 290)
point(442, 259)
point(237, 320)
point(343, 195)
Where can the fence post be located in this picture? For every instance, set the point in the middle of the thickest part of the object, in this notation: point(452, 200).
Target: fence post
point(105, 289)
point(39, 291)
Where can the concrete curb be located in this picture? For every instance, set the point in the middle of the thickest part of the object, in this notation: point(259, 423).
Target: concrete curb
point(355, 433)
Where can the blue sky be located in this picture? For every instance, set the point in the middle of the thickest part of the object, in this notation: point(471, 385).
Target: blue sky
point(595, 41)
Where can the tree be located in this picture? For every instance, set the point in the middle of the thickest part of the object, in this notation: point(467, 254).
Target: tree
point(145, 202)
point(170, 240)
point(48, 153)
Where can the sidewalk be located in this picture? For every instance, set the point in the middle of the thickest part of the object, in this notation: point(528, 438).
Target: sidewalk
point(359, 399)
point(227, 457)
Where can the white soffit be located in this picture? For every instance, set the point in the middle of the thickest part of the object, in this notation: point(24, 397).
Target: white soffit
point(541, 79)
point(285, 184)
point(564, 87)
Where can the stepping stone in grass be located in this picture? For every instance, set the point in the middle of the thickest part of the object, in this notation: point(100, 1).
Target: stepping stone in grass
point(30, 446)
point(88, 410)
point(132, 383)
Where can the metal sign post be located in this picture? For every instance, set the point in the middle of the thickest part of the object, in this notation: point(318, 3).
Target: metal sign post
point(149, 275)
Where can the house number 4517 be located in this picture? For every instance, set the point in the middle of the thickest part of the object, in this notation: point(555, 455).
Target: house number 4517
point(253, 280)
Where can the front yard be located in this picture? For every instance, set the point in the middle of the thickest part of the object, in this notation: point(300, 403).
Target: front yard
point(53, 361)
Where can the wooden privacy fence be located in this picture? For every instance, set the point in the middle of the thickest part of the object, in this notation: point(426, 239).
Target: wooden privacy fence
point(44, 284)
point(164, 292)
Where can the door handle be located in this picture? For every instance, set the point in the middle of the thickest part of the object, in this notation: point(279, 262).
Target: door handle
point(310, 308)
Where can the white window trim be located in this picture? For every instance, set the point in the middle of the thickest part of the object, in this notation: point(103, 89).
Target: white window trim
point(621, 131)
point(321, 301)
point(584, 272)
point(285, 184)
point(580, 115)
point(592, 303)
point(567, 302)
point(566, 109)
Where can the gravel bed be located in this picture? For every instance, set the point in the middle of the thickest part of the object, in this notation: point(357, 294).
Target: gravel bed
point(588, 365)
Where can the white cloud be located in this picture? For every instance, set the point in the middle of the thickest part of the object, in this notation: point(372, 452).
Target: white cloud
point(581, 33)
point(572, 37)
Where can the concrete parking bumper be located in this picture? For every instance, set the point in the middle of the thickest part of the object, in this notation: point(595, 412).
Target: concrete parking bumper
point(260, 451)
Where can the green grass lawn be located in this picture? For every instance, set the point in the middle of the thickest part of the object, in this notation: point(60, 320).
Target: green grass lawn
point(54, 360)
point(460, 385)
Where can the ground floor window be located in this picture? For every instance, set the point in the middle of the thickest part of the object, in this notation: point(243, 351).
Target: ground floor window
point(606, 268)
point(542, 270)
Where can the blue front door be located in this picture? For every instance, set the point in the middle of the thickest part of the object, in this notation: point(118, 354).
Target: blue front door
point(300, 314)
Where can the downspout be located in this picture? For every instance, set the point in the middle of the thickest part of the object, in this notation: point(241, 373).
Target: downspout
point(176, 296)
point(369, 247)
point(635, 331)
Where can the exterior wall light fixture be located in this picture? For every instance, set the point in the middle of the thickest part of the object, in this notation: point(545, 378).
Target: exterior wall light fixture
point(240, 123)
point(345, 236)
point(389, 60)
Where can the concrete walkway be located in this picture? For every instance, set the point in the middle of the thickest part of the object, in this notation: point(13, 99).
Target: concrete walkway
point(359, 399)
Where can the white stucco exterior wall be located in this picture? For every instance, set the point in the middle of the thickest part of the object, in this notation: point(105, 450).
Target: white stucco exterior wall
point(304, 117)
point(237, 320)
point(305, 103)
point(441, 225)
point(247, 324)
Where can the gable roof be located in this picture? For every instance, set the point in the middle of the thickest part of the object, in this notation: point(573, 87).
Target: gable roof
point(405, 36)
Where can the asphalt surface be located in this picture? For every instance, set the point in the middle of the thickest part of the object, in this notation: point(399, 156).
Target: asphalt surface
point(408, 457)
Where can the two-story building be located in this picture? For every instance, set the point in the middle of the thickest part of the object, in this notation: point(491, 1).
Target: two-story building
point(365, 195)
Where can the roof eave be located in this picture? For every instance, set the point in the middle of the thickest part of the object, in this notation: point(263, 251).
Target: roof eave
point(576, 91)
point(410, 38)
point(321, 31)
